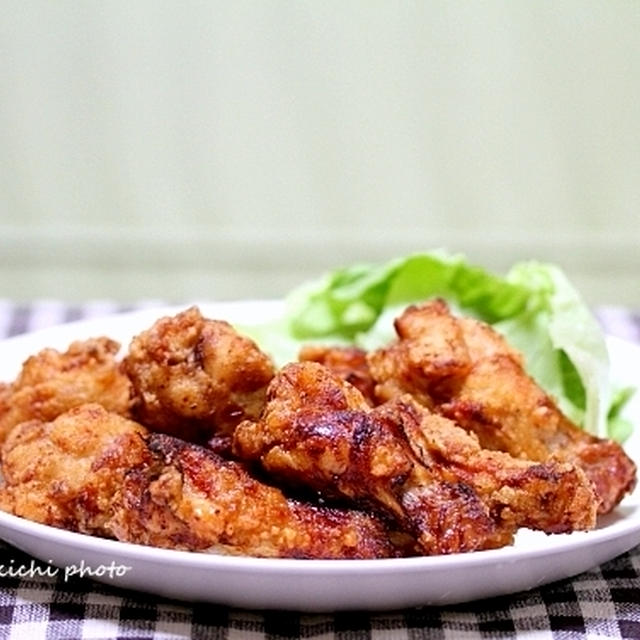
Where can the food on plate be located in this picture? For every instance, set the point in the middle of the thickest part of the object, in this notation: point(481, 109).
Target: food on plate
point(51, 382)
point(324, 433)
point(96, 472)
point(407, 463)
point(196, 378)
point(466, 371)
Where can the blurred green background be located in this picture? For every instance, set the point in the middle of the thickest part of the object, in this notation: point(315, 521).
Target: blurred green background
point(217, 150)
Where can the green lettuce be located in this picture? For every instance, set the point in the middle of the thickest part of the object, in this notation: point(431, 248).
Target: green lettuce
point(534, 306)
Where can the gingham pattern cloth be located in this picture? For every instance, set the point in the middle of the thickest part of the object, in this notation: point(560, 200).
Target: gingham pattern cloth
point(601, 603)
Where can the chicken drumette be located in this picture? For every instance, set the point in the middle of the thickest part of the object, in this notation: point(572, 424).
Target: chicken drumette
point(405, 462)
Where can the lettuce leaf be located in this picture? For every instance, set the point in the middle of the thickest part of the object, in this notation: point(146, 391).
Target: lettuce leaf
point(534, 306)
point(619, 427)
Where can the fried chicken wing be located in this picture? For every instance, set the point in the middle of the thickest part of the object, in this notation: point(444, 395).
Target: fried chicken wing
point(552, 497)
point(196, 378)
point(98, 473)
point(399, 459)
point(188, 497)
point(51, 382)
point(466, 371)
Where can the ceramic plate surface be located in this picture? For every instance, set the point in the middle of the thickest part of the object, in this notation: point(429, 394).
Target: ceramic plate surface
point(315, 585)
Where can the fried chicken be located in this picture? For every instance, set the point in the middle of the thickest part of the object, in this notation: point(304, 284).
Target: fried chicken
point(349, 363)
point(196, 378)
point(188, 497)
point(398, 459)
point(66, 472)
point(98, 473)
point(51, 382)
point(466, 371)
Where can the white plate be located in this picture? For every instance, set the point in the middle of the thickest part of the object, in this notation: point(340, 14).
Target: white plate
point(315, 585)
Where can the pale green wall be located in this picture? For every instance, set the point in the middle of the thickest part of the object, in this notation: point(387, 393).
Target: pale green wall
point(230, 149)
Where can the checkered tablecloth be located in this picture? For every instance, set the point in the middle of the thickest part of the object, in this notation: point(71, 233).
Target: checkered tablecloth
point(601, 603)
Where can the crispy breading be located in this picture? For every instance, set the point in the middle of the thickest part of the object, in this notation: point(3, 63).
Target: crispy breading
point(399, 459)
point(98, 473)
point(463, 369)
point(348, 362)
point(196, 378)
point(553, 497)
point(65, 472)
point(51, 382)
point(188, 497)
point(426, 361)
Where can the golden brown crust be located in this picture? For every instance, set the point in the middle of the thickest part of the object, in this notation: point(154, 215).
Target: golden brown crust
point(427, 360)
point(482, 386)
point(96, 472)
point(403, 461)
point(349, 363)
point(189, 498)
point(553, 497)
point(52, 382)
point(64, 473)
point(196, 378)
